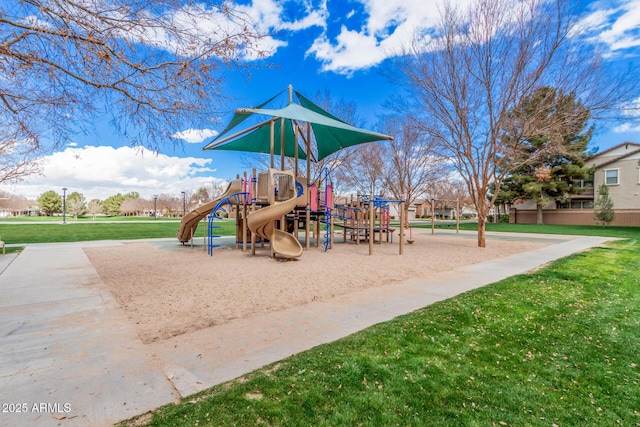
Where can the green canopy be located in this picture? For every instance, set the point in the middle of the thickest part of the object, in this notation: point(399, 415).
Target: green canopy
point(331, 134)
point(239, 118)
point(258, 141)
point(311, 106)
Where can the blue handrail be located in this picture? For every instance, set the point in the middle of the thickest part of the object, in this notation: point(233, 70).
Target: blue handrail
point(219, 207)
point(327, 231)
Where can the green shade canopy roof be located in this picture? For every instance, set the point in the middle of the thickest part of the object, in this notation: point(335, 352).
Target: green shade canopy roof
point(331, 134)
point(258, 141)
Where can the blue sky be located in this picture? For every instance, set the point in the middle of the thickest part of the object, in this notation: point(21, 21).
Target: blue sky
point(336, 45)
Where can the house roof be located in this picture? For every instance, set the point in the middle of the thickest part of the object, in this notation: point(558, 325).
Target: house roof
point(614, 159)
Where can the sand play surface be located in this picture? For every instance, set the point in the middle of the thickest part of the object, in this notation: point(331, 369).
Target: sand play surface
point(168, 290)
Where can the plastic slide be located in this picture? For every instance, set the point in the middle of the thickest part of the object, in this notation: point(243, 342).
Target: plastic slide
point(190, 221)
point(261, 222)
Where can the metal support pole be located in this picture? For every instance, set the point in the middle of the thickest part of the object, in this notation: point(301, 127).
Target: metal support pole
point(402, 225)
point(64, 205)
point(433, 216)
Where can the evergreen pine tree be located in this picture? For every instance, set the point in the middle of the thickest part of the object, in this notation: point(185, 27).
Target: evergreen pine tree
point(555, 151)
point(50, 203)
point(603, 207)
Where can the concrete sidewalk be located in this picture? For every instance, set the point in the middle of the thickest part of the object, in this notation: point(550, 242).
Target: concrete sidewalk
point(69, 355)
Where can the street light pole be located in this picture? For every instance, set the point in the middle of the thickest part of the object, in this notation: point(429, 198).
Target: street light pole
point(155, 211)
point(184, 203)
point(64, 205)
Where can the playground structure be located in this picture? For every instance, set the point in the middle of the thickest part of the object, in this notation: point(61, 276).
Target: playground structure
point(265, 199)
point(358, 223)
point(274, 206)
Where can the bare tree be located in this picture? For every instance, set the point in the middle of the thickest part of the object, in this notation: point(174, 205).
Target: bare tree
point(405, 167)
point(479, 63)
point(94, 207)
point(18, 158)
point(131, 207)
point(6, 207)
point(412, 161)
point(447, 192)
point(76, 204)
point(216, 188)
point(169, 205)
point(22, 205)
point(146, 65)
point(364, 170)
point(12, 205)
point(457, 190)
point(200, 196)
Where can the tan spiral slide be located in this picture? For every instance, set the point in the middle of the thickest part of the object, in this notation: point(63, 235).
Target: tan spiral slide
point(261, 222)
point(190, 221)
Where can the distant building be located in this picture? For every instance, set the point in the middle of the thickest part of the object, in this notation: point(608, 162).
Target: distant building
point(619, 169)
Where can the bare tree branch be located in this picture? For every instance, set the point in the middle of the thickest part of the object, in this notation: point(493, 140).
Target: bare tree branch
point(478, 65)
point(149, 66)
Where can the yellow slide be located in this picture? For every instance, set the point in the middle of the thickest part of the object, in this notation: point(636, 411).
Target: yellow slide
point(190, 221)
point(261, 222)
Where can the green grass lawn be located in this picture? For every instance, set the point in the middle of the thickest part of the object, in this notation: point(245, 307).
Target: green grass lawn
point(559, 346)
point(83, 231)
point(583, 230)
point(128, 228)
point(84, 218)
point(13, 249)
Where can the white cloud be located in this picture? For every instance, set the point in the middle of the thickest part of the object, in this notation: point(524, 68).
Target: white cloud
point(195, 136)
point(627, 128)
point(389, 27)
point(614, 25)
point(353, 50)
point(266, 47)
point(100, 172)
point(312, 18)
point(631, 110)
point(268, 16)
point(264, 12)
point(202, 26)
point(203, 23)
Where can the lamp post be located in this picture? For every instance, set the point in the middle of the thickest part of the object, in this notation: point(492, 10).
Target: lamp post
point(155, 204)
point(433, 216)
point(64, 205)
point(184, 203)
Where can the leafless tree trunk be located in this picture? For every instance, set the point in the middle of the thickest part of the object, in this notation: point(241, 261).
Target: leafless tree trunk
point(146, 65)
point(482, 60)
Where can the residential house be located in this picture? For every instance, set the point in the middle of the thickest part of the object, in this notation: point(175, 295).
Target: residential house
point(619, 169)
point(443, 209)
